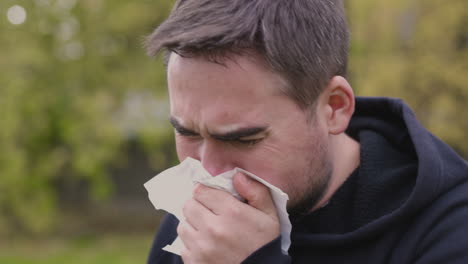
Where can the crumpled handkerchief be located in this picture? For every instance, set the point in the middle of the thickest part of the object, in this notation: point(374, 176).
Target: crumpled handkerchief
point(170, 189)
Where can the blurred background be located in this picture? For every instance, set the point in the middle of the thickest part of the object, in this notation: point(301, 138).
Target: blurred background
point(83, 113)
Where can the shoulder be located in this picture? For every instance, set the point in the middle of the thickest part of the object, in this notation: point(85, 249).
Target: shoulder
point(442, 228)
point(167, 233)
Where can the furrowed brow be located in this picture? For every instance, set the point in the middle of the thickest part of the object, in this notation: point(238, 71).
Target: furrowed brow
point(240, 133)
point(179, 128)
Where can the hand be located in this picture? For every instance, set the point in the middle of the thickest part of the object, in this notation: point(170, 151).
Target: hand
point(221, 229)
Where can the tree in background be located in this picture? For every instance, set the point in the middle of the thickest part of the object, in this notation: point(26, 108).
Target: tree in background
point(76, 85)
point(416, 50)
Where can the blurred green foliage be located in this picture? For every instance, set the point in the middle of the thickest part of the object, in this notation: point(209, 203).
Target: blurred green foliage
point(76, 85)
point(416, 50)
point(116, 249)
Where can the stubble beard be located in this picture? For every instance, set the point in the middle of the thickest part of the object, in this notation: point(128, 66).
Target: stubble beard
point(318, 181)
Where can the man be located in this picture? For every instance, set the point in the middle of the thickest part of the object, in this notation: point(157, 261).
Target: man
point(260, 85)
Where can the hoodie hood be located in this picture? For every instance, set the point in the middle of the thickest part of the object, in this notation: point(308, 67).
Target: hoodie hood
point(403, 169)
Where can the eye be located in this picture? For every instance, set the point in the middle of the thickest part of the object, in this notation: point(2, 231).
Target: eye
point(248, 141)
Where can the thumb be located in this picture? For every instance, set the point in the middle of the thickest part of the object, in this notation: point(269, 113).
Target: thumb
point(256, 194)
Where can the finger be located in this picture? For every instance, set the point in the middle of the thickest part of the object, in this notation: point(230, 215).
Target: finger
point(256, 194)
point(187, 234)
point(217, 201)
point(197, 215)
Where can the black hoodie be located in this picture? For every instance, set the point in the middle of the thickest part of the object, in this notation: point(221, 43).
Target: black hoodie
point(406, 203)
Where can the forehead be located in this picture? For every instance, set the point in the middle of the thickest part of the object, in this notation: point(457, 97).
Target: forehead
point(238, 90)
point(249, 65)
point(240, 77)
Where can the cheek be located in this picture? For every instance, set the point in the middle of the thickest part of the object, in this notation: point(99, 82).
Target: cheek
point(285, 150)
point(266, 161)
point(282, 163)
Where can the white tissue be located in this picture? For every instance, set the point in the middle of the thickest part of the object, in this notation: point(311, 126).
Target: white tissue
point(170, 189)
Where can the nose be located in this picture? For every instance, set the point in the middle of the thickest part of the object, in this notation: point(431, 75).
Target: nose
point(215, 157)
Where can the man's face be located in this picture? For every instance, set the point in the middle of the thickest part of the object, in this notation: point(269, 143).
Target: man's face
point(235, 115)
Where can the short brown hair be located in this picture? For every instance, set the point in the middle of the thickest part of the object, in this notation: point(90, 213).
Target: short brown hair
point(305, 41)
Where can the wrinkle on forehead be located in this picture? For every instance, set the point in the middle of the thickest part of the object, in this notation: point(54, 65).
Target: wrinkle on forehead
point(236, 62)
point(215, 99)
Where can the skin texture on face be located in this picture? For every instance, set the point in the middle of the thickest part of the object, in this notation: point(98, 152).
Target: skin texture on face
point(235, 115)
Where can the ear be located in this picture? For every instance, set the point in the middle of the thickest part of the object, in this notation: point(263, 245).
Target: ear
point(339, 102)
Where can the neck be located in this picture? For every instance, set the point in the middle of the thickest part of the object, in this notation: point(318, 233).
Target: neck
point(345, 158)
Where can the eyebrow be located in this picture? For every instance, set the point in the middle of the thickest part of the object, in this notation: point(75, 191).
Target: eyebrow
point(180, 128)
point(229, 136)
point(239, 133)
